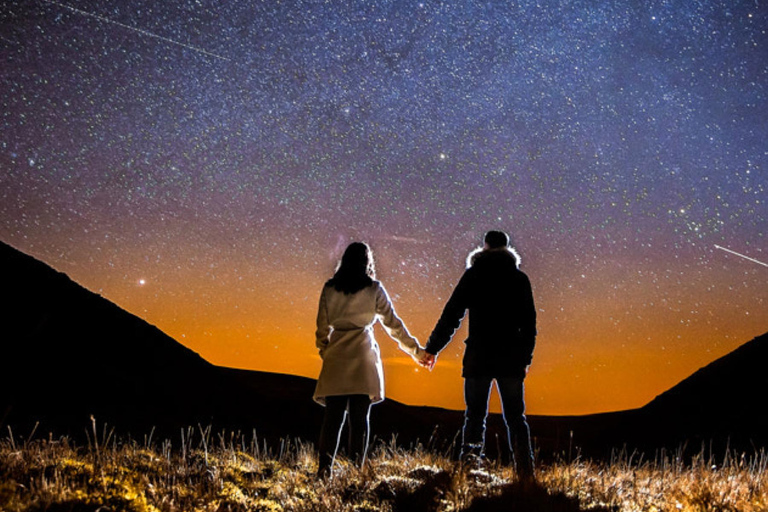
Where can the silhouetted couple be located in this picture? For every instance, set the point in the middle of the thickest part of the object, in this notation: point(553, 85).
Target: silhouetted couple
point(502, 334)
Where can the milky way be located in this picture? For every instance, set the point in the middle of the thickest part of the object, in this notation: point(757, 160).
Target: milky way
point(203, 164)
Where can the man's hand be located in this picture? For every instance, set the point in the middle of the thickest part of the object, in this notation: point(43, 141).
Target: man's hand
point(428, 361)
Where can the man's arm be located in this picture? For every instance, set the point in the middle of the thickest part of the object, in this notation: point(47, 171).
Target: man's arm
point(451, 317)
point(528, 320)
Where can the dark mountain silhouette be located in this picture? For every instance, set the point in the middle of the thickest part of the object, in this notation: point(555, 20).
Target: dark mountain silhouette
point(724, 401)
point(67, 354)
point(719, 407)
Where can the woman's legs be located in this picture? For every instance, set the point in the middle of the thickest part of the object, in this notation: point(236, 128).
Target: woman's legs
point(359, 427)
point(333, 420)
point(336, 409)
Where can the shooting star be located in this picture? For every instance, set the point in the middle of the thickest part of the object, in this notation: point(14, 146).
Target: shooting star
point(405, 239)
point(143, 32)
point(753, 260)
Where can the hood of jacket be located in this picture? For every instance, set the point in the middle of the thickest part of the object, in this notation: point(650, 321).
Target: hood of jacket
point(500, 253)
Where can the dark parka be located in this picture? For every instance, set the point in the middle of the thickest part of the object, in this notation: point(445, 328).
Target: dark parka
point(502, 316)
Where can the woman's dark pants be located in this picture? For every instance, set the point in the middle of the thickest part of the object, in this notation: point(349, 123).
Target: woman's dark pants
point(336, 410)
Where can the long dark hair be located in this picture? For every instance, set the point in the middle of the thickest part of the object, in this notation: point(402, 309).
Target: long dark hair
point(356, 269)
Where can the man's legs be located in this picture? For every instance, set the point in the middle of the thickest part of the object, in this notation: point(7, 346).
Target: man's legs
point(359, 427)
point(512, 390)
point(476, 393)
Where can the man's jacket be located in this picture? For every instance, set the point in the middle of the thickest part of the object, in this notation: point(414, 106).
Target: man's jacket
point(502, 316)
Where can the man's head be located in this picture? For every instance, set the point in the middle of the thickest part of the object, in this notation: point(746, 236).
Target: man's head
point(496, 239)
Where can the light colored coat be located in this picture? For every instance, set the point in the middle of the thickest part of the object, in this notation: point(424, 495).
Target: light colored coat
point(350, 354)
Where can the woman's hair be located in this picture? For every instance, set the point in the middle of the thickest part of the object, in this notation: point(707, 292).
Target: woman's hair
point(356, 269)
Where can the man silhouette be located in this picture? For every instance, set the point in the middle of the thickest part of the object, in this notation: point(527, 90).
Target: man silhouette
point(502, 334)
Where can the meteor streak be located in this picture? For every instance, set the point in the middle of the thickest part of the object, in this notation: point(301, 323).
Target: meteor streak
point(753, 260)
point(140, 31)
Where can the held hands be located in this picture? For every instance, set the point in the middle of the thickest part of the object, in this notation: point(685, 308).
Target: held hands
point(429, 361)
point(426, 359)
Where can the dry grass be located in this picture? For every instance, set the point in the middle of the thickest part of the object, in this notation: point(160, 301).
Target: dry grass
point(204, 472)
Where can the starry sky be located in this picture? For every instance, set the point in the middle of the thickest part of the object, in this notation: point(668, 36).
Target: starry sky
point(204, 163)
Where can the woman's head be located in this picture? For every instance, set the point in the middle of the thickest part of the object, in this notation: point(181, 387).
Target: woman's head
point(356, 270)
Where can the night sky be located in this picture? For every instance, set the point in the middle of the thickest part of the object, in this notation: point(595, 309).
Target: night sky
point(203, 164)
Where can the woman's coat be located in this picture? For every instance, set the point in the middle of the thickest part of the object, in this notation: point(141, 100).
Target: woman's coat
point(350, 354)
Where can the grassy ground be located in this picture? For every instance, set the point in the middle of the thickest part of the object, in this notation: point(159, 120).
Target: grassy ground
point(205, 472)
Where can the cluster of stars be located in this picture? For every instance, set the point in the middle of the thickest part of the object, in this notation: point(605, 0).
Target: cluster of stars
point(226, 153)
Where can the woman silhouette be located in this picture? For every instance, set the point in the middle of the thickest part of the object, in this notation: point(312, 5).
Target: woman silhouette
point(352, 378)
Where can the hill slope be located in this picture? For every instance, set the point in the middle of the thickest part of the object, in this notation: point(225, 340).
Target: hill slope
point(720, 406)
point(67, 353)
point(724, 400)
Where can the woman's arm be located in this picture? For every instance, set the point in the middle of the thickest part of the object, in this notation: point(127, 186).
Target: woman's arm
point(394, 326)
point(323, 325)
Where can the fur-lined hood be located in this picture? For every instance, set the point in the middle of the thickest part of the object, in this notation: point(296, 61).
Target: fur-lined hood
point(481, 252)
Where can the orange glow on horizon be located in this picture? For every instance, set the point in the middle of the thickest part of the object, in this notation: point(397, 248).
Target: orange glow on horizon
point(584, 363)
